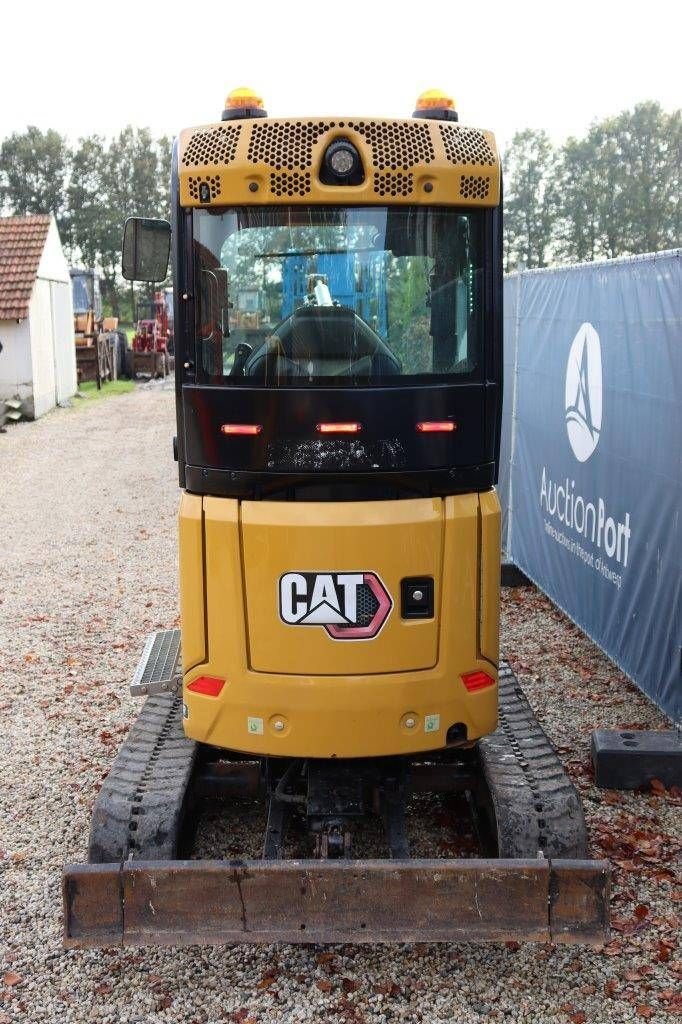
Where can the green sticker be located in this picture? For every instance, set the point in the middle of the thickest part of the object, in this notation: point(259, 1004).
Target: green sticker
point(431, 723)
point(254, 726)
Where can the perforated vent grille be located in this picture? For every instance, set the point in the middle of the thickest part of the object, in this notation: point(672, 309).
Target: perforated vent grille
point(396, 145)
point(367, 605)
point(290, 183)
point(466, 145)
point(290, 144)
point(472, 186)
point(216, 159)
point(393, 184)
point(213, 184)
point(287, 145)
point(216, 145)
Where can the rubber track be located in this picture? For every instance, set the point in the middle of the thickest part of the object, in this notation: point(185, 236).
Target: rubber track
point(140, 809)
point(536, 808)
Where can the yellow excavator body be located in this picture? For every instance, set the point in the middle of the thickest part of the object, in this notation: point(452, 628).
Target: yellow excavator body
point(295, 690)
point(338, 333)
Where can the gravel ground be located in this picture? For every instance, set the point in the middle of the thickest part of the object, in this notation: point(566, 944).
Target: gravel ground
point(88, 569)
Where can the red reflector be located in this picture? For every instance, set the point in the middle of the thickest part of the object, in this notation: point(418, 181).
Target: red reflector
point(208, 685)
point(241, 428)
point(339, 428)
point(437, 427)
point(477, 680)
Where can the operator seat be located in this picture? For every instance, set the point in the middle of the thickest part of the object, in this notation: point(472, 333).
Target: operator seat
point(322, 341)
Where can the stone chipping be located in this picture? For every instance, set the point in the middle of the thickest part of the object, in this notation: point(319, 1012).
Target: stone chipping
point(88, 554)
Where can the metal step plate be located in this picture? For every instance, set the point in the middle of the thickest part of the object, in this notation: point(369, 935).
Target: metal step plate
point(159, 669)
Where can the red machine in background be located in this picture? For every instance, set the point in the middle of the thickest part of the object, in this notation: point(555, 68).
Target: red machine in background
point(152, 345)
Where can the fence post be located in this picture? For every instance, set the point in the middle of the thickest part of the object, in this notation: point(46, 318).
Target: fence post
point(512, 443)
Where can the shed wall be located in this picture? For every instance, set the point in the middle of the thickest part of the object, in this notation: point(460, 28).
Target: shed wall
point(42, 349)
point(66, 380)
point(15, 360)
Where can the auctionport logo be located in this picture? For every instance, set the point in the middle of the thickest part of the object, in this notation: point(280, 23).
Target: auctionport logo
point(583, 393)
point(585, 526)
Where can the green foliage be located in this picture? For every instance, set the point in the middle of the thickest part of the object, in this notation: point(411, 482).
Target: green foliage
point(109, 388)
point(647, 156)
point(129, 176)
point(614, 192)
point(34, 167)
point(409, 291)
point(530, 205)
point(91, 188)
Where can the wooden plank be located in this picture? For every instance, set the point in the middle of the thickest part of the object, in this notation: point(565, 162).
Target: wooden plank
point(335, 901)
point(93, 905)
point(579, 901)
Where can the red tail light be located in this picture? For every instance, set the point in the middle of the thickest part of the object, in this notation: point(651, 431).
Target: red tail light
point(436, 426)
point(241, 428)
point(208, 685)
point(339, 428)
point(477, 681)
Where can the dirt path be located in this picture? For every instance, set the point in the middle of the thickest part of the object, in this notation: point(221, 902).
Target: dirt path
point(87, 512)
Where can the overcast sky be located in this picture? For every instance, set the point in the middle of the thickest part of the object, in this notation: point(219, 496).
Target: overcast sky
point(93, 67)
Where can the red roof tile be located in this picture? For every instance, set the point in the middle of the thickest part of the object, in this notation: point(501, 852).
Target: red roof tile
point(22, 240)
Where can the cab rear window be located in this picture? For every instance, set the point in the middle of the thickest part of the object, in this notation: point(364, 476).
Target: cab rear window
point(324, 296)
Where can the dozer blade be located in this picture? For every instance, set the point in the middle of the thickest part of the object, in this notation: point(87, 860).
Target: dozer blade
point(193, 902)
point(137, 891)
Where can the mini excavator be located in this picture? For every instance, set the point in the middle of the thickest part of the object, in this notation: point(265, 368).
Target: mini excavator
point(338, 332)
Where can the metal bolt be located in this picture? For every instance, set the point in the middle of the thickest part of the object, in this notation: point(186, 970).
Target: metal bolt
point(410, 723)
point(418, 595)
point(278, 725)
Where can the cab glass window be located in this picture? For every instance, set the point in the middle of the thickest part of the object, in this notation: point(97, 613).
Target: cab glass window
point(324, 296)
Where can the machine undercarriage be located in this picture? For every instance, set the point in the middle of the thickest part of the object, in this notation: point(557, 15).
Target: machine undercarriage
point(513, 793)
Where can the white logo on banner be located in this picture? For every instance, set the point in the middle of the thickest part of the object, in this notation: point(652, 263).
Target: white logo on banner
point(576, 522)
point(583, 393)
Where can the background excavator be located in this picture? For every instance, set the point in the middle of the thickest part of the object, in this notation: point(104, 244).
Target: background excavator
point(152, 350)
point(100, 346)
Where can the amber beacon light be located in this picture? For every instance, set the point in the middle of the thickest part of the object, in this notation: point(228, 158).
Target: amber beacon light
point(437, 105)
point(243, 103)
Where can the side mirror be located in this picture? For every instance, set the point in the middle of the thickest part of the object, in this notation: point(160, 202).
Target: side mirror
point(146, 248)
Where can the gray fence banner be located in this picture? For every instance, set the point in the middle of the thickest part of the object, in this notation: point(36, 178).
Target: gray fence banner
point(592, 440)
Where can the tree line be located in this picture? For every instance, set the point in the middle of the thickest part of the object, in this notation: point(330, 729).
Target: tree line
point(615, 191)
point(91, 188)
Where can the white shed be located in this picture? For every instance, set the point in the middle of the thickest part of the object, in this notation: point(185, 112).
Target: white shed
point(38, 358)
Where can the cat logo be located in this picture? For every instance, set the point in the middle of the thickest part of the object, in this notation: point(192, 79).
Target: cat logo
point(349, 605)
